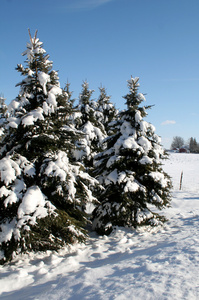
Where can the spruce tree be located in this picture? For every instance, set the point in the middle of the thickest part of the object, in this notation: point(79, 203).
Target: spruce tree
point(193, 145)
point(130, 170)
point(3, 114)
point(105, 111)
point(92, 128)
point(43, 195)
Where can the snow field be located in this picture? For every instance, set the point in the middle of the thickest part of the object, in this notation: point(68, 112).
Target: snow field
point(186, 163)
point(159, 263)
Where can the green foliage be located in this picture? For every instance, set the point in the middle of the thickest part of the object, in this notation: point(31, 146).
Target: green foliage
point(46, 148)
point(130, 168)
point(193, 145)
point(106, 111)
point(90, 125)
point(36, 151)
point(50, 233)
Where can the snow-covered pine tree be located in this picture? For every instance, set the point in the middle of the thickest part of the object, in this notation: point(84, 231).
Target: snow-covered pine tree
point(93, 129)
point(42, 195)
point(130, 170)
point(105, 111)
point(3, 114)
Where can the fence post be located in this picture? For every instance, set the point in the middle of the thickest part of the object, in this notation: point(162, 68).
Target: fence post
point(181, 180)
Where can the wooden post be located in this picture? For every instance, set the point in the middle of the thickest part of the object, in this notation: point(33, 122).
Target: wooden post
point(181, 180)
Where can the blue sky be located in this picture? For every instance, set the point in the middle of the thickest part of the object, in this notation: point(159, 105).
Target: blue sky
point(107, 41)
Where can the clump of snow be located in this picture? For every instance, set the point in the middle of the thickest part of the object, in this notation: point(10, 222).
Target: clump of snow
point(82, 149)
point(13, 105)
point(34, 205)
point(18, 103)
point(121, 177)
point(141, 97)
point(11, 196)
point(33, 116)
point(59, 167)
point(51, 103)
point(146, 160)
point(52, 99)
point(130, 143)
point(126, 129)
point(131, 185)
point(152, 128)
point(145, 126)
point(145, 143)
point(157, 198)
point(27, 167)
point(7, 230)
point(13, 122)
point(9, 170)
point(159, 177)
point(143, 215)
point(43, 79)
point(118, 145)
point(75, 231)
point(14, 194)
point(92, 132)
point(138, 117)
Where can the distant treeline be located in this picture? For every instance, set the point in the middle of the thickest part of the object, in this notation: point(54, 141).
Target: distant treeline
point(191, 146)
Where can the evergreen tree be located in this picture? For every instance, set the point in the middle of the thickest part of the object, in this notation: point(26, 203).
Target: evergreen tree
point(193, 145)
point(130, 170)
point(3, 114)
point(42, 194)
point(105, 111)
point(86, 121)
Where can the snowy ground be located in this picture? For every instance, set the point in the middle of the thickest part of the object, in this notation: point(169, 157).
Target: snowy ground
point(159, 264)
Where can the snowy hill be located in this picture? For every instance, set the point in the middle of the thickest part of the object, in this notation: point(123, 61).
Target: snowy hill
point(160, 263)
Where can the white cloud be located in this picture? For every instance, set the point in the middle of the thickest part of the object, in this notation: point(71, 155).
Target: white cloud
point(86, 4)
point(168, 122)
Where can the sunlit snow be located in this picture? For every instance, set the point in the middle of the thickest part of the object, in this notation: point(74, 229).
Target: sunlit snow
point(159, 263)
